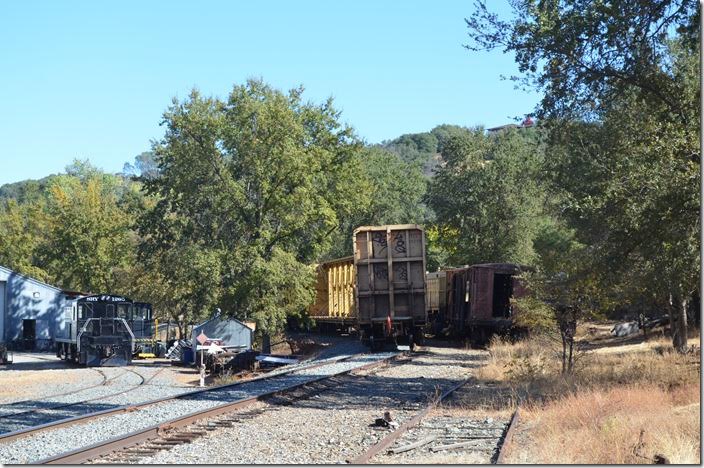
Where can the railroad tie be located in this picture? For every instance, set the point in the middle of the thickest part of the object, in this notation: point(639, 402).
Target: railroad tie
point(459, 445)
point(163, 443)
point(184, 437)
point(414, 445)
point(223, 423)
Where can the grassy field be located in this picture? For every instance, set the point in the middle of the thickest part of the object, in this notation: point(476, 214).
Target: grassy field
point(628, 401)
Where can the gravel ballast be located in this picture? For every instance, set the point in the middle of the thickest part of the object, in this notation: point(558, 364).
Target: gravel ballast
point(333, 426)
point(123, 386)
point(27, 377)
point(53, 442)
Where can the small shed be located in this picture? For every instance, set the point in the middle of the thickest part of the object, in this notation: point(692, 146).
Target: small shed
point(230, 330)
point(31, 312)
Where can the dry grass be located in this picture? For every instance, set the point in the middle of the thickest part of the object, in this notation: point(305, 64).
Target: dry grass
point(595, 415)
point(604, 427)
point(531, 368)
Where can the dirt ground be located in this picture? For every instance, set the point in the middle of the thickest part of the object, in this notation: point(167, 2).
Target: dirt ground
point(40, 375)
point(30, 373)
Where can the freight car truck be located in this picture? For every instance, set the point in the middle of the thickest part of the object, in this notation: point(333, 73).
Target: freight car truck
point(389, 292)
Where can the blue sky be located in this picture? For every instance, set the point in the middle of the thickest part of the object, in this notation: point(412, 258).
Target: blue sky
point(91, 79)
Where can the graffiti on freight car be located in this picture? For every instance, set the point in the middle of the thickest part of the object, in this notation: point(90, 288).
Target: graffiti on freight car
point(379, 238)
point(381, 272)
point(401, 273)
point(399, 243)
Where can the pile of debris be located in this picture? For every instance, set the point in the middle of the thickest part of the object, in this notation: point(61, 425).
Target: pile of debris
point(231, 361)
point(304, 346)
point(175, 352)
point(643, 323)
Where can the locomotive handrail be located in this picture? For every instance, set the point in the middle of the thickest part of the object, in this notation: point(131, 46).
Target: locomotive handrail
point(78, 337)
point(131, 334)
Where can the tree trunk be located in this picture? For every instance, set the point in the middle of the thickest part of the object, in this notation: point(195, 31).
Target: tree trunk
point(179, 326)
point(678, 325)
point(564, 354)
point(266, 343)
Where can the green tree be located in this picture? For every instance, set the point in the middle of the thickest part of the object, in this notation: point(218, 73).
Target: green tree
point(181, 283)
point(390, 192)
point(257, 185)
point(621, 95)
point(144, 167)
point(22, 230)
point(486, 198)
point(583, 53)
point(88, 240)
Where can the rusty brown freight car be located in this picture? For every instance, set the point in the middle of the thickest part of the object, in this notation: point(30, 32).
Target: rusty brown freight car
point(390, 287)
point(478, 300)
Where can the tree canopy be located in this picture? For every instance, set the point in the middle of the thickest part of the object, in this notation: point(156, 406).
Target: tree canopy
point(620, 85)
point(487, 198)
point(255, 186)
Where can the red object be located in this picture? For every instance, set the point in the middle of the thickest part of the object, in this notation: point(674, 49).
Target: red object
point(528, 122)
point(202, 338)
point(388, 323)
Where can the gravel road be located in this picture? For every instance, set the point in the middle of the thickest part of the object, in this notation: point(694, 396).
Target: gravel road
point(53, 442)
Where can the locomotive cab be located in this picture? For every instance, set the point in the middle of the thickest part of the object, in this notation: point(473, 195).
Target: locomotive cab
point(98, 331)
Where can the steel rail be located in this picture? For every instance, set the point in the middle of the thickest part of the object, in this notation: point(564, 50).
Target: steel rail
point(71, 392)
point(75, 403)
point(84, 454)
point(9, 436)
point(508, 437)
point(414, 421)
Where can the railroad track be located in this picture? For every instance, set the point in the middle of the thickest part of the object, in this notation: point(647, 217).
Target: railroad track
point(22, 403)
point(46, 412)
point(442, 434)
point(135, 424)
point(190, 429)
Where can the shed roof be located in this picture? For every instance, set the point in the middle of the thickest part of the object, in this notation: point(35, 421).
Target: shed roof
point(222, 319)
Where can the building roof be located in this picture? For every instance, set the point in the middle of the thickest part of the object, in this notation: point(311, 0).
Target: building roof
point(220, 318)
point(527, 123)
point(30, 279)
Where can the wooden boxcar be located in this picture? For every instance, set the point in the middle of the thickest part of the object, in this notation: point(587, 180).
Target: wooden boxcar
point(477, 300)
point(390, 282)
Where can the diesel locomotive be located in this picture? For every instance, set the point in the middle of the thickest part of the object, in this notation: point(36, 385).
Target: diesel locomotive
point(103, 330)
